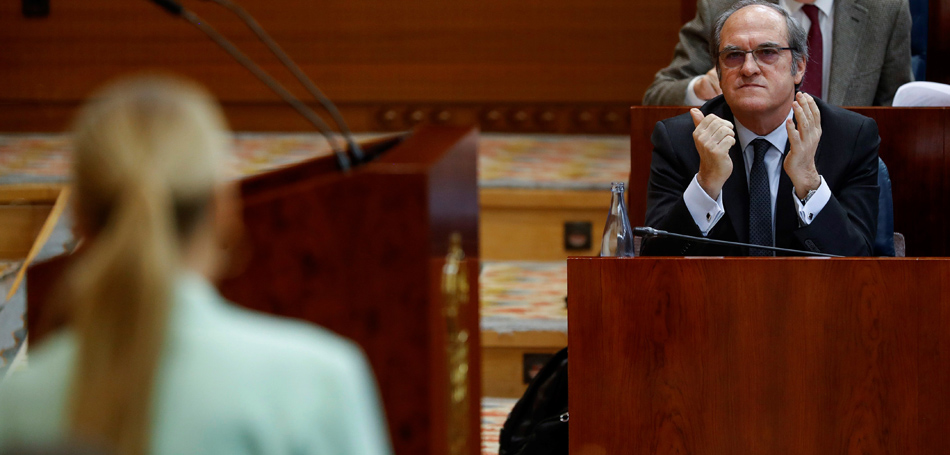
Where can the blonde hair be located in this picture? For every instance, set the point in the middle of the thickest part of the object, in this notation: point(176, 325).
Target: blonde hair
point(146, 164)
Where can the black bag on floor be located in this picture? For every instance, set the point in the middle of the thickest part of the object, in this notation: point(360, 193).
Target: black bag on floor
point(537, 424)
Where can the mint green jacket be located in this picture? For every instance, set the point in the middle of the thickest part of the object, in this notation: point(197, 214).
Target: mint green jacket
point(231, 382)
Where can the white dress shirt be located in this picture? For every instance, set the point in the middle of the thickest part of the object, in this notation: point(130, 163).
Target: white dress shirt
point(706, 211)
point(826, 21)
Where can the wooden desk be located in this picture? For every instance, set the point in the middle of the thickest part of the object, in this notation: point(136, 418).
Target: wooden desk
point(759, 356)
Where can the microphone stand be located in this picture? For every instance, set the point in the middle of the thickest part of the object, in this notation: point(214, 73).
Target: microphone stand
point(176, 9)
point(648, 232)
point(297, 72)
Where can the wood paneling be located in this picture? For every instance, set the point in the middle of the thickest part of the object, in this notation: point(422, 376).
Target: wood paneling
point(938, 41)
point(503, 359)
point(914, 146)
point(361, 254)
point(519, 225)
point(490, 53)
point(687, 10)
point(20, 225)
point(727, 356)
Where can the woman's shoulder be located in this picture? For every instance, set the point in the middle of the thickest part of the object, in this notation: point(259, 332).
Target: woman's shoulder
point(216, 331)
point(32, 400)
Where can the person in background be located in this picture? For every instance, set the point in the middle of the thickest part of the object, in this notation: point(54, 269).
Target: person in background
point(154, 361)
point(859, 53)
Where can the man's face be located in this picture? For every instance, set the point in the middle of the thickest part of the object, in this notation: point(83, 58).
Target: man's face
point(756, 88)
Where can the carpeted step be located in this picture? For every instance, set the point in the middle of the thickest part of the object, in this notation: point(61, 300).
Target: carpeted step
point(494, 413)
point(523, 320)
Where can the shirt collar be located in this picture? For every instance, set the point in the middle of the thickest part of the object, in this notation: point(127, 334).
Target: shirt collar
point(823, 5)
point(778, 137)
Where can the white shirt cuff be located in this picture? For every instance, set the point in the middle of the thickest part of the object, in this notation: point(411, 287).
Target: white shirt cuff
point(705, 210)
point(691, 98)
point(808, 212)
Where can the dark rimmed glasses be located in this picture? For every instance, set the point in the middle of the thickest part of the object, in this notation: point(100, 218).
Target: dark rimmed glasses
point(734, 58)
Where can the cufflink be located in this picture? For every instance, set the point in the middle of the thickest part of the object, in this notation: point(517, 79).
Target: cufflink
point(811, 216)
point(708, 216)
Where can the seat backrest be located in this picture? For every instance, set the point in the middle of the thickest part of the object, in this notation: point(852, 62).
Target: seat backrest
point(922, 94)
point(884, 239)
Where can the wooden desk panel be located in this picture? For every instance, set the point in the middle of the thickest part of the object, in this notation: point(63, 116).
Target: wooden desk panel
point(484, 54)
point(728, 356)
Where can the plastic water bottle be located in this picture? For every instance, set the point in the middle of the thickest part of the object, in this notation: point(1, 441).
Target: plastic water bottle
point(618, 235)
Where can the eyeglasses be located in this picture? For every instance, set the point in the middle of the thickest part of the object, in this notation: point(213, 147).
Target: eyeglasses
point(734, 58)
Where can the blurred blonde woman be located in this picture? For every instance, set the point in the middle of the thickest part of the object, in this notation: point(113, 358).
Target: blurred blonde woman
point(155, 361)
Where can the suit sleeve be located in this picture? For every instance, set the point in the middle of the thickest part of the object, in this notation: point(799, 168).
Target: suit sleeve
point(690, 59)
point(897, 69)
point(848, 222)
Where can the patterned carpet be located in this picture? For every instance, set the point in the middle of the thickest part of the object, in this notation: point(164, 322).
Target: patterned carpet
point(552, 161)
point(494, 413)
point(26, 158)
point(523, 296)
point(505, 160)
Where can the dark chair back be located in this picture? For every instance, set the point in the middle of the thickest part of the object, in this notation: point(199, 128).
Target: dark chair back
point(884, 240)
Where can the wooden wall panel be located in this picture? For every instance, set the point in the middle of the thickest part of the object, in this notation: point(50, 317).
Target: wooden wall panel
point(938, 41)
point(361, 53)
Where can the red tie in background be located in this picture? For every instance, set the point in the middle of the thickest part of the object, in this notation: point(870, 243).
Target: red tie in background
point(813, 72)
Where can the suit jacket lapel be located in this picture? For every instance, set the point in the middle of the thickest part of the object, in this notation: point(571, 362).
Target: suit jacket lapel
point(850, 16)
point(735, 195)
point(735, 192)
point(786, 220)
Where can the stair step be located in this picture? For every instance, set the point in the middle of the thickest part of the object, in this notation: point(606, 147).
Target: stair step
point(523, 321)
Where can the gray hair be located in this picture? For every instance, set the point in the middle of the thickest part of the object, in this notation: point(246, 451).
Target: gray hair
point(795, 34)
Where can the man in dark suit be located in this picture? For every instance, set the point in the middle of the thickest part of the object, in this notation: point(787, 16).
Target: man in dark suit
point(764, 163)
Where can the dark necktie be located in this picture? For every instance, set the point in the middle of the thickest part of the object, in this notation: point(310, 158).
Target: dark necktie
point(813, 70)
point(760, 201)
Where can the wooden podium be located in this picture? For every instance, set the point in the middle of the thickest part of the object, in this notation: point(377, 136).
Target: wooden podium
point(759, 356)
point(368, 255)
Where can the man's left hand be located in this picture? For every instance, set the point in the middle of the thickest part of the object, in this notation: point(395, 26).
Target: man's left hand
point(800, 161)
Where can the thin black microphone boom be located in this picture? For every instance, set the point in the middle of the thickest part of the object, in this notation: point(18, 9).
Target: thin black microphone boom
point(648, 232)
point(297, 72)
point(176, 9)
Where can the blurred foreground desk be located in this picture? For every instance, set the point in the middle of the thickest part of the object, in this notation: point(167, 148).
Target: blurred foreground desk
point(759, 356)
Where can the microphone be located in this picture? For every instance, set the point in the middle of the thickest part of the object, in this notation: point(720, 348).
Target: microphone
point(297, 72)
point(648, 232)
point(169, 5)
point(176, 9)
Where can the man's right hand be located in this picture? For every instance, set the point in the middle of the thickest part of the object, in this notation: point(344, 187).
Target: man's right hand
point(707, 87)
point(713, 137)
